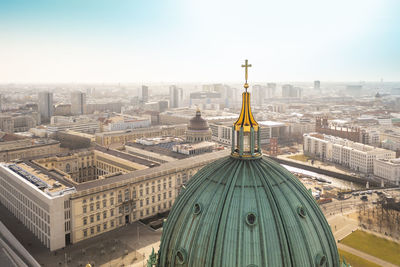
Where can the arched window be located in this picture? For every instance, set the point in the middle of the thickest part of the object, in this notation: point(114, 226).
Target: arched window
point(67, 167)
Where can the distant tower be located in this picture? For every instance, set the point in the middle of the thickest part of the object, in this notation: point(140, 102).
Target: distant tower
point(45, 103)
point(144, 94)
point(78, 103)
point(317, 85)
point(175, 96)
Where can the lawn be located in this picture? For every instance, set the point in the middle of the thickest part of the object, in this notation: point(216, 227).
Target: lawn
point(299, 157)
point(376, 246)
point(355, 261)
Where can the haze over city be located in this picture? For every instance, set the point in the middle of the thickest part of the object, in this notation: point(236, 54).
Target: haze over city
point(198, 41)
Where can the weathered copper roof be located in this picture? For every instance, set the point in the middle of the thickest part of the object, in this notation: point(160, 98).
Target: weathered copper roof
point(237, 212)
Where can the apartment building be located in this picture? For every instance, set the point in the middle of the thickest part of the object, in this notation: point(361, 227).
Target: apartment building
point(356, 156)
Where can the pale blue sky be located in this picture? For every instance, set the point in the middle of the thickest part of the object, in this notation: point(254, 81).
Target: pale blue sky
point(198, 41)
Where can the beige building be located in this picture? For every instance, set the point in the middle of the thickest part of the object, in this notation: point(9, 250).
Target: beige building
point(26, 148)
point(103, 205)
point(89, 192)
point(89, 165)
point(122, 137)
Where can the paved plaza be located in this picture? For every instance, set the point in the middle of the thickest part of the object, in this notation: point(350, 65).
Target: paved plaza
point(126, 246)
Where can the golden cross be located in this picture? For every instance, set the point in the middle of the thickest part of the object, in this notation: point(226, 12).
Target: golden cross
point(246, 66)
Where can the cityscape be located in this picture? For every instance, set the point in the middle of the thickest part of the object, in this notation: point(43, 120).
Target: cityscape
point(212, 157)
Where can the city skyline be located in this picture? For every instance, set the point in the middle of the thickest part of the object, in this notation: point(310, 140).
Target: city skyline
point(151, 42)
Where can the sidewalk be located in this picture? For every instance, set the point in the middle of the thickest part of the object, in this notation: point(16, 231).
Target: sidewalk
point(365, 256)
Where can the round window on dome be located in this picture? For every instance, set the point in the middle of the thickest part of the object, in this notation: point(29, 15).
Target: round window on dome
point(197, 208)
point(320, 260)
point(301, 211)
point(181, 256)
point(251, 219)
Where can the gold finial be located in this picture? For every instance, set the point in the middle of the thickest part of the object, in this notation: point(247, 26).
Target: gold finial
point(246, 66)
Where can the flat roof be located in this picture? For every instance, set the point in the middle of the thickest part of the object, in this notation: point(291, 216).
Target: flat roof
point(127, 156)
point(271, 123)
point(157, 149)
point(164, 168)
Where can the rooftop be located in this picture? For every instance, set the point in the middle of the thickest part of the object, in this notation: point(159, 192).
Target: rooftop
point(47, 182)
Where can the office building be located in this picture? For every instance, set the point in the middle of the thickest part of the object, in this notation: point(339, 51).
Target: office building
point(388, 169)
point(45, 106)
point(144, 94)
point(175, 96)
point(356, 156)
point(78, 103)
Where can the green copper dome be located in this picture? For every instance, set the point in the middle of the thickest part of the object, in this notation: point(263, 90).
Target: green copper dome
point(246, 210)
point(253, 212)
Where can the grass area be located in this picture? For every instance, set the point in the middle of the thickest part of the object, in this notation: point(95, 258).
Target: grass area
point(355, 261)
point(299, 157)
point(376, 246)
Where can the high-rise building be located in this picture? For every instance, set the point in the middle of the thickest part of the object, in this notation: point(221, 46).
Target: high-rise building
point(144, 94)
point(289, 91)
point(45, 103)
point(78, 103)
point(175, 96)
point(317, 85)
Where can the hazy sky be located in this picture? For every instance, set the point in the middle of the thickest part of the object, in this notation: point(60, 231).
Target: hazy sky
point(198, 41)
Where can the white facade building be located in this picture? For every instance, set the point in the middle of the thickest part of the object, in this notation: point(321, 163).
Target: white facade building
point(388, 169)
point(347, 153)
point(38, 201)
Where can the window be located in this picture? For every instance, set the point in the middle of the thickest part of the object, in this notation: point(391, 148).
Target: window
point(91, 207)
point(67, 167)
point(120, 209)
point(104, 203)
point(97, 205)
point(134, 205)
point(85, 232)
point(159, 187)
point(159, 197)
point(119, 197)
point(91, 218)
point(98, 228)
point(134, 194)
point(111, 201)
point(98, 197)
point(91, 230)
point(126, 209)
point(112, 223)
point(153, 189)
point(141, 213)
point(153, 209)
point(153, 199)
point(147, 211)
point(126, 194)
point(147, 190)
point(104, 226)
point(169, 184)
point(104, 214)
point(111, 212)
point(84, 221)
point(165, 185)
point(141, 203)
point(170, 193)
point(165, 195)
point(84, 201)
point(84, 209)
point(98, 216)
point(147, 201)
point(141, 192)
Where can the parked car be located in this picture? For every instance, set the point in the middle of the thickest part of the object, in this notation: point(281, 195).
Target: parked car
point(355, 194)
point(364, 198)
